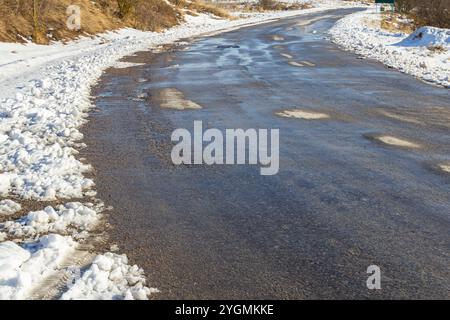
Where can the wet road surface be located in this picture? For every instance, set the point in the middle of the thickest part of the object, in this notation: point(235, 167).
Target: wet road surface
point(342, 199)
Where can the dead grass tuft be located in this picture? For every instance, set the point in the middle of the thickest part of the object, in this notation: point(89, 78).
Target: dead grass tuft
point(202, 7)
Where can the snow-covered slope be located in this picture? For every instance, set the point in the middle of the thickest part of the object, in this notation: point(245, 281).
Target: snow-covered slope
point(424, 54)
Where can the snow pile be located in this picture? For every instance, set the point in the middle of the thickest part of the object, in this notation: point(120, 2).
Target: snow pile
point(73, 218)
point(21, 268)
point(39, 129)
point(413, 54)
point(110, 278)
point(8, 207)
point(427, 37)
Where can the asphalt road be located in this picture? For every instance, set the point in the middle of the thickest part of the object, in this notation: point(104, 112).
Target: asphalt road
point(341, 201)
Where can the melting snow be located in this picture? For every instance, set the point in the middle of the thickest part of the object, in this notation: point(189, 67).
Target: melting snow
point(413, 54)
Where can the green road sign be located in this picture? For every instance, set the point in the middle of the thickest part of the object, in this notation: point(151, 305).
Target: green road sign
point(385, 1)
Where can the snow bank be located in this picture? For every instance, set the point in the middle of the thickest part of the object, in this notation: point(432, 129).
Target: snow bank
point(413, 54)
point(73, 218)
point(427, 37)
point(21, 268)
point(110, 278)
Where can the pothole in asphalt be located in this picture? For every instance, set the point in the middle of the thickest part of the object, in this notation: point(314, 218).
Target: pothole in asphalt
point(277, 38)
point(295, 64)
point(445, 167)
point(229, 46)
point(287, 55)
point(302, 114)
point(171, 98)
point(309, 64)
point(140, 97)
point(393, 141)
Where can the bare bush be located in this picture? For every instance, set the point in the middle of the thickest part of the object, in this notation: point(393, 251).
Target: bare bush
point(266, 4)
point(125, 7)
point(431, 12)
point(153, 15)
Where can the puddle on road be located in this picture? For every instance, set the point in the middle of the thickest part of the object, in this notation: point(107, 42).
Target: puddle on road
point(171, 98)
point(394, 141)
point(277, 38)
point(295, 64)
point(302, 114)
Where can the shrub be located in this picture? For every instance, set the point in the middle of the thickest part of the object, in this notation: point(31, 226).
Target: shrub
point(434, 13)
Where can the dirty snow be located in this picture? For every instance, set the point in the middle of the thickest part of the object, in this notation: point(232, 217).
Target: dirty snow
point(424, 54)
point(44, 100)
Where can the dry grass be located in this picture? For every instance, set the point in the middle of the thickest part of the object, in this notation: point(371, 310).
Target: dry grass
point(202, 7)
point(437, 49)
point(396, 23)
point(18, 22)
point(272, 5)
point(152, 15)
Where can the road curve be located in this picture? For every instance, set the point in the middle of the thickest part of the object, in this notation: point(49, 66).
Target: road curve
point(344, 198)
